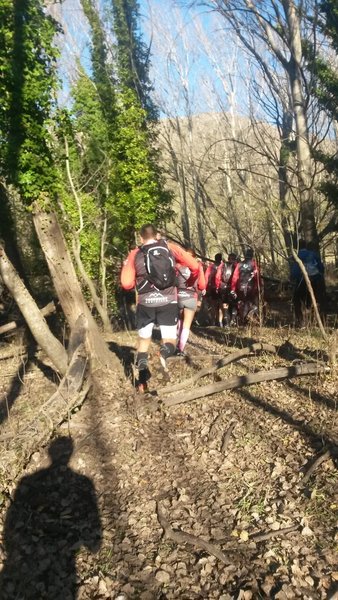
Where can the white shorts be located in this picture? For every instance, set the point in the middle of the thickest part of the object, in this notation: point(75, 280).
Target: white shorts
point(168, 332)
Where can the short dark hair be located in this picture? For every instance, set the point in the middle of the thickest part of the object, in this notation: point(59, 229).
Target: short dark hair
point(249, 253)
point(148, 231)
point(218, 257)
point(232, 255)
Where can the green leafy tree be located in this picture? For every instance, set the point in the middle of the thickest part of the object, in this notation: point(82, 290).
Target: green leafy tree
point(325, 77)
point(132, 54)
point(134, 191)
point(28, 83)
point(138, 187)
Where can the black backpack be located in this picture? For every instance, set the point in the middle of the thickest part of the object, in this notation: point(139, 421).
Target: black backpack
point(227, 273)
point(246, 276)
point(160, 265)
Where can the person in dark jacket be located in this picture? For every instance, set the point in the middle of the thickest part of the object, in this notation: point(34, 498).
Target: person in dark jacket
point(224, 277)
point(315, 270)
point(247, 287)
point(213, 295)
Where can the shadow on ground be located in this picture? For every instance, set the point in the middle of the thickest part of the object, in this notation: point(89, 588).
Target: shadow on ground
point(54, 512)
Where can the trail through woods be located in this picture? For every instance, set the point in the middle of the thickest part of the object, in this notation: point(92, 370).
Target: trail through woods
point(213, 498)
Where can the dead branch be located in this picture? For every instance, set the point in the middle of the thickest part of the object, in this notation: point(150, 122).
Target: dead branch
point(32, 315)
point(262, 537)
point(13, 353)
point(319, 460)
point(45, 311)
point(238, 381)
point(227, 436)
point(180, 537)
point(214, 425)
point(258, 347)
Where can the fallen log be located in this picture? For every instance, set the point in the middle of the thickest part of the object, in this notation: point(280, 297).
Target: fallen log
point(238, 381)
point(257, 347)
point(45, 311)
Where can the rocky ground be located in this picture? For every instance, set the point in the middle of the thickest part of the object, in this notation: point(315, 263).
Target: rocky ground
point(94, 528)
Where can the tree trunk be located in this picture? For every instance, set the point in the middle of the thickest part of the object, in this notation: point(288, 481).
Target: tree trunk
point(32, 315)
point(307, 213)
point(76, 248)
point(284, 187)
point(67, 285)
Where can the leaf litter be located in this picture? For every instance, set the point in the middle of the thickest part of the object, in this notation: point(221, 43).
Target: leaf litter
point(277, 535)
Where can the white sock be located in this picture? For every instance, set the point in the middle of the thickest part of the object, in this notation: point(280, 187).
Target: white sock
point(183, 338)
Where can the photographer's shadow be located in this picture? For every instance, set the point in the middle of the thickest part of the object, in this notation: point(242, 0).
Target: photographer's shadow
point(53, 514)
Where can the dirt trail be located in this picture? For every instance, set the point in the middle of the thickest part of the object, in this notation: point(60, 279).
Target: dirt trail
point(251, 487)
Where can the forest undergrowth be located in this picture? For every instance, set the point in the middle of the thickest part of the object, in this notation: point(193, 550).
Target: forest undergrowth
point(232, 471)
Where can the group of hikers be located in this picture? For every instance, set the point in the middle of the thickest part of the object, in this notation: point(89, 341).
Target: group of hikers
point(170, 285)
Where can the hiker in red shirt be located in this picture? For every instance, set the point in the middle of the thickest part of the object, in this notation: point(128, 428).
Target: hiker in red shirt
point(213, 296)
point(247, 286)
point(223, 279)
point(188, 287)
point(151, 268)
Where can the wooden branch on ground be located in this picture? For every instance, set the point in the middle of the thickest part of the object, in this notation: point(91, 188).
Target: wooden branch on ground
point(180, 537)
point(319, 460)
point(262, 537)
point(13, 353)
point(32, 314)
point(227, 436)
point(213, 427)
point(257, 347)
point(45, 311)
point(238, 381)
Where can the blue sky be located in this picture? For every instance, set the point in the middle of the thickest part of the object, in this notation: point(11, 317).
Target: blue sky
point(193, 57)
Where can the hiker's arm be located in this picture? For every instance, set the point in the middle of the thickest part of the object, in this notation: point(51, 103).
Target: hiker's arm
point(185, 259)
point(201, 283)
point(207, 275)
point(128, 273)
point(234, 279)
point(218, 276)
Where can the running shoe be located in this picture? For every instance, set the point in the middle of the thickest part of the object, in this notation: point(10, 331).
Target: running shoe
point(143, 377)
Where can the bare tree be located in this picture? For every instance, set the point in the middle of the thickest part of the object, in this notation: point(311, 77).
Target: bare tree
point(276, 26)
